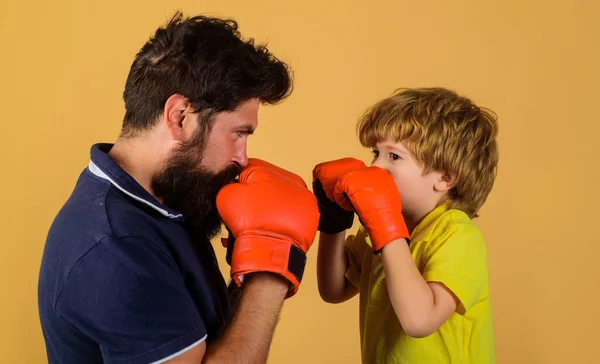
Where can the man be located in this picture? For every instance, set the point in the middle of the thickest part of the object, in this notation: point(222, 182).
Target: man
point(128, 273)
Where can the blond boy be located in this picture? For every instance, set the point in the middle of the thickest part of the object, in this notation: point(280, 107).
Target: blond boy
point(417, 260)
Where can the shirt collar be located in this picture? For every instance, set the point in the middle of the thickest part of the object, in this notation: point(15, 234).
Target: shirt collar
point(102, 166)
point(424, 229)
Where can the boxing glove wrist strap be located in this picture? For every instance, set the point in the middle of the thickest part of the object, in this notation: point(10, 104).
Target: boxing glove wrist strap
point(261, 251)
point(380, 238)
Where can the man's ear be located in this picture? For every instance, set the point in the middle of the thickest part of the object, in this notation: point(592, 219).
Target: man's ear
point(177, 108)
point(444, 182)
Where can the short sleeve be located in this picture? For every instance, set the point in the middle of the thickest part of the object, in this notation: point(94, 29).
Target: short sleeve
point(128, 295)
point(460, 263)
point(356, 246)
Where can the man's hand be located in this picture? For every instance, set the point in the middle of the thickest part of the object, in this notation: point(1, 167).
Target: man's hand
point(273, 218)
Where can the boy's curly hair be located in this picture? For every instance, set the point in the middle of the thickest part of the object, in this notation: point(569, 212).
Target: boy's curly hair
point(445, 132)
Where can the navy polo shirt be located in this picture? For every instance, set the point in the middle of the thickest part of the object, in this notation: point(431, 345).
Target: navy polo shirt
point(121, 279)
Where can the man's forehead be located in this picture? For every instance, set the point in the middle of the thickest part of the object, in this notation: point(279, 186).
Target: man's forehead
point(237, 120)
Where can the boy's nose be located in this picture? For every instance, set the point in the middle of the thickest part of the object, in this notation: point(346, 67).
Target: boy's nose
point(379, 162)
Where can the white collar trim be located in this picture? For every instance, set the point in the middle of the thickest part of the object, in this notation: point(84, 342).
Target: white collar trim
point(98, 172)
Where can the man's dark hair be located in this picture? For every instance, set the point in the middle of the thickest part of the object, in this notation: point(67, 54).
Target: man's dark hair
point(206, 60)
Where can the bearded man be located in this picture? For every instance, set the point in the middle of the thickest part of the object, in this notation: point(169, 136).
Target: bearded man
point(129, 274)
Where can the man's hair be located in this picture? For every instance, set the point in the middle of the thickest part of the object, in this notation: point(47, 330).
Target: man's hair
point(207, 61)
point(446, 133)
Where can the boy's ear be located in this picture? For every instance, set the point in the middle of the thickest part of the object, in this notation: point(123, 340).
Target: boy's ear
point(444, 182)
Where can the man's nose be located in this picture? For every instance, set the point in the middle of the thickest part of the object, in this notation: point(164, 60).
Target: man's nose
point(241, 158)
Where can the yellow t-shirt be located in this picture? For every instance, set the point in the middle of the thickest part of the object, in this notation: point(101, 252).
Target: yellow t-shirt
point(448, 248)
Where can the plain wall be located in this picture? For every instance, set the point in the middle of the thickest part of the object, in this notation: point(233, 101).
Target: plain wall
point(63, 67)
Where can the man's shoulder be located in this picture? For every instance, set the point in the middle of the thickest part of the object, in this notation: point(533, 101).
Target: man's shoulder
point(82, 219)
point(97, 209)
point(97, 213)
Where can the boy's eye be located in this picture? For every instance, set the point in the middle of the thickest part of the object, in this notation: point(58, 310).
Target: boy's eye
point(375, 153)
point(394, 156)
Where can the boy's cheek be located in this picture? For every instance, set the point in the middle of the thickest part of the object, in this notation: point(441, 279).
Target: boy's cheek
point(400, 188)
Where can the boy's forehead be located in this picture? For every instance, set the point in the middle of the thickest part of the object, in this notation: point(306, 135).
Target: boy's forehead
point(392, 143)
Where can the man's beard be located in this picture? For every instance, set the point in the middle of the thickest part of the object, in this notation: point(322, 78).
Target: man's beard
point(191, 189)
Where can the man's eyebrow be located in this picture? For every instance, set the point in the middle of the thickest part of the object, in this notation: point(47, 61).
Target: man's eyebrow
point(248, 128)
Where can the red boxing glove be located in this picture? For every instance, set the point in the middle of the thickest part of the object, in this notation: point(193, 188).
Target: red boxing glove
point(335, 217)
point(376, 200)
point(273, 218)
point(254, 163)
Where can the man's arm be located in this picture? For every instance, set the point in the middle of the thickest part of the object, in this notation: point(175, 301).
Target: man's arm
point(274, 219)
point(332, 264)
point(248, 338)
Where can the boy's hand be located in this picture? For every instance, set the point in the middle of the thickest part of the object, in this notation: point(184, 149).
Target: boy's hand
point(334, 219)
point(376, 200)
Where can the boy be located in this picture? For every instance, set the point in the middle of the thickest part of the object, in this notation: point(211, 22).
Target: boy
point(418, 262)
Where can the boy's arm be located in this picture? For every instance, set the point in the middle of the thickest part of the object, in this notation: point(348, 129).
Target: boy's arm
point(421, 307)
point(332, 263)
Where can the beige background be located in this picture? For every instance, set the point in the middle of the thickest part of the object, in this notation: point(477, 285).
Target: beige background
point(63, 66)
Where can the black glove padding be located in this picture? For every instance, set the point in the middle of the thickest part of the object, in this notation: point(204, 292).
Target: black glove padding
point(334, 219)
point(228, 243)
